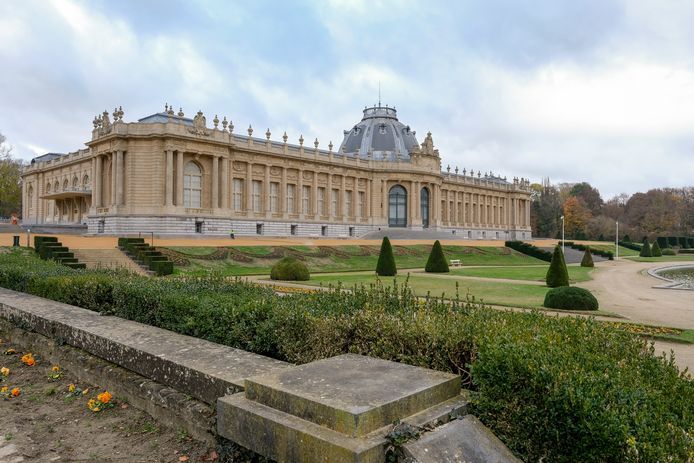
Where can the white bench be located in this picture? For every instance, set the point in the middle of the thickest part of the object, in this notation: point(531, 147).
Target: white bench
point(455, 262)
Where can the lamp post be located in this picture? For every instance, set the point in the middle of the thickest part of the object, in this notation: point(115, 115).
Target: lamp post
point(562, 234)
point(616, 243)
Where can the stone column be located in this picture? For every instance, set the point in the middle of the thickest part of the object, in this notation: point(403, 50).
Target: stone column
point(283, 191)
point(215, 182)
point(119, 178)
point(97, 183)
point(168, 185)
point(341, 198)
point(179, 178)
point(368, 197)
point(384, 200)
point(328, 200)
point(299, 196)
point(266, 192)
point(314, 196)
point(113, 178)
point(249, 188)
point(225, 183)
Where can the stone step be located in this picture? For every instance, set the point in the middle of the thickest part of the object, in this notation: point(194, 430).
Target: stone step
point(112, 258)
point(283, 437)
point(353, 394)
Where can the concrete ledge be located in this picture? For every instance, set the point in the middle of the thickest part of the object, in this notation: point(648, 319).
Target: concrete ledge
point(163, 403)
point(199, 368)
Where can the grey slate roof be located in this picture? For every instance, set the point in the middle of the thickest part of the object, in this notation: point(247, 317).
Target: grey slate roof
point(381, 132)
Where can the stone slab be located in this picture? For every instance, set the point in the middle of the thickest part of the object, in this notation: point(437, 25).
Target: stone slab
point(465, 440)
point(286, 438)
point(353, 394)
point(199, 368)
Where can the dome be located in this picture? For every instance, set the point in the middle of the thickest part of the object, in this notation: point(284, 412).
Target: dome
point(381, 133)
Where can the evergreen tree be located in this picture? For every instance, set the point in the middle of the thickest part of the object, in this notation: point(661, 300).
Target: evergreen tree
point(558, 274)
point(601, 237)
point(437, 260)
point(646, 249)
point(587, 260)
point(655, 249)
point(385, 266)
point(626, 239)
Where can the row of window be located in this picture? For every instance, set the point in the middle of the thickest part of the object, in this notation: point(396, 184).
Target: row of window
point(290, 205)
point(66, 184)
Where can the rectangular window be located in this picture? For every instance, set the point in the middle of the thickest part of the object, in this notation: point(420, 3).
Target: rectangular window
point(334, 201)
point(348, 203)
point(324, 230)
point(291, 191)
point(321, 201)
point(361, 211)
point(259, 229)
point(257, 188)
point(306, 199)
point(274, 197)
point(198, 227)
point(351, 231)
point(238, 194)
point(294, 229)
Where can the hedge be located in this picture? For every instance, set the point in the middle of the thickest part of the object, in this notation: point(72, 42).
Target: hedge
point(49, 248)
point(146, 255)
point(289, 269)
point(436, 263)
point(598, 252)
point(529, 249)
point(646, 249)
point(571, 298)
point(386, 260)
point(655, 249)
point(553, 389)
point(628, 245)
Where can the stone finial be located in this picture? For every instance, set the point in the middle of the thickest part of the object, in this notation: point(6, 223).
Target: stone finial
point(95, 122)
point(301, 140)
point(170, 111)
point(231, 126)
point(330, 146)
point(120, 113)
point(250, 130)
point(215, 121)
point(224, 124)
point(268, 134)
point(284, 137)
point(315, 143)
point(180, 112)
point(464, 171)
point(479, 174)
point(456, 170)
point(448, 168)
point(166, 107)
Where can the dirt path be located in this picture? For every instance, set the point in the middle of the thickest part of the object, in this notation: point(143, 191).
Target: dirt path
point(625, 287)
point(46, 423)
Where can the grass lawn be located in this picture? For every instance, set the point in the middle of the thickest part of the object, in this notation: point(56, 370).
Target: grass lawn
point(677, 258)
point(259, 259)
point(576, 273)
point(497, 293)
point(623, 252)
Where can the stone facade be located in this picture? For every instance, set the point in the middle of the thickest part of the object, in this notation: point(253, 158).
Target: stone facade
point(174, 175)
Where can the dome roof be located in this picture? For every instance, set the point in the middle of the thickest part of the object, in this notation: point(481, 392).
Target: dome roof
point(381, 133)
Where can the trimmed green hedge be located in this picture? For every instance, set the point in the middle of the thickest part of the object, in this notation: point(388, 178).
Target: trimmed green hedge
point(437, 263)
point(385, 266)
point(629, 245)
point(147, 255)
point(570, 297)
point(529, 249)
point(553, 389)
point(557, 273)
point(289, 269)
point(646, 249)
point(655, 249)
point(598, 252)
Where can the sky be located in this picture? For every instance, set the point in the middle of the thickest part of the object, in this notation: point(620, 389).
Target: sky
point(600, 91)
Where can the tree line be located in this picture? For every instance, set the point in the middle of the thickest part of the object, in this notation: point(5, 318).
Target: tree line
point(10, 188)
point(659, 211)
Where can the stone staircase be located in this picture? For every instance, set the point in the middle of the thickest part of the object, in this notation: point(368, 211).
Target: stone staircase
point(112, 258)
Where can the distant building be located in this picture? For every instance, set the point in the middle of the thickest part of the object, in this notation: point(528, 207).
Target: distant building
point(174, 175)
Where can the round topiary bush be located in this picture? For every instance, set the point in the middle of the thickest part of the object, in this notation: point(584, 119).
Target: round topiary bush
point(587, 260)
point(437, 260)
point(668, 252)
point(289, 269)
point(385, 267)
point(570, 297)
point(557, 274)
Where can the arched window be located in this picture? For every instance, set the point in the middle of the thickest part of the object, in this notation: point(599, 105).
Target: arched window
point(192, 185)
point(424, 206)
point(75, 182)
point(397, 207)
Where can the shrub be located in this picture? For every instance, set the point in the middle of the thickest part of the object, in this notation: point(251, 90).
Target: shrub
point(672, 241)
point(557, 274)
point(587, 260)
point(646, 249)
point(437, 260)
point(682, 241)
point(668, 252)
point(385, 266)
point(626, 238)
point(655, 249)
point(632, 246)
point(289, 269)
point(529, 249)
point(570, 297)
point(601, 237)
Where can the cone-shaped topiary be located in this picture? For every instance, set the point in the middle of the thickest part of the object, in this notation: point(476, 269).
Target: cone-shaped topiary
point(587, 260)
point(289, 268)
point(558, 274)
point(655, 249)
point(646, 249)
point(437, 260)
point(626, 239)
point(385, 266)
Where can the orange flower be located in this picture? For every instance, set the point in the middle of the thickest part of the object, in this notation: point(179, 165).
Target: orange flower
point(55, 369)
point(104, 397)
point(5, 371)
point(71, 387)
point(28, 360)
point(15, 392)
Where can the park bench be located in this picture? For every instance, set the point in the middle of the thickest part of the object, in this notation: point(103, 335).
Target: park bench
point(455, 262)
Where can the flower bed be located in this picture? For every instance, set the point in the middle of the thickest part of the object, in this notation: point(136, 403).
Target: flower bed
point(553, 389)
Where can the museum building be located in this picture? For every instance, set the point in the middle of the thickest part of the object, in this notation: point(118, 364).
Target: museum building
point(170, 174)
